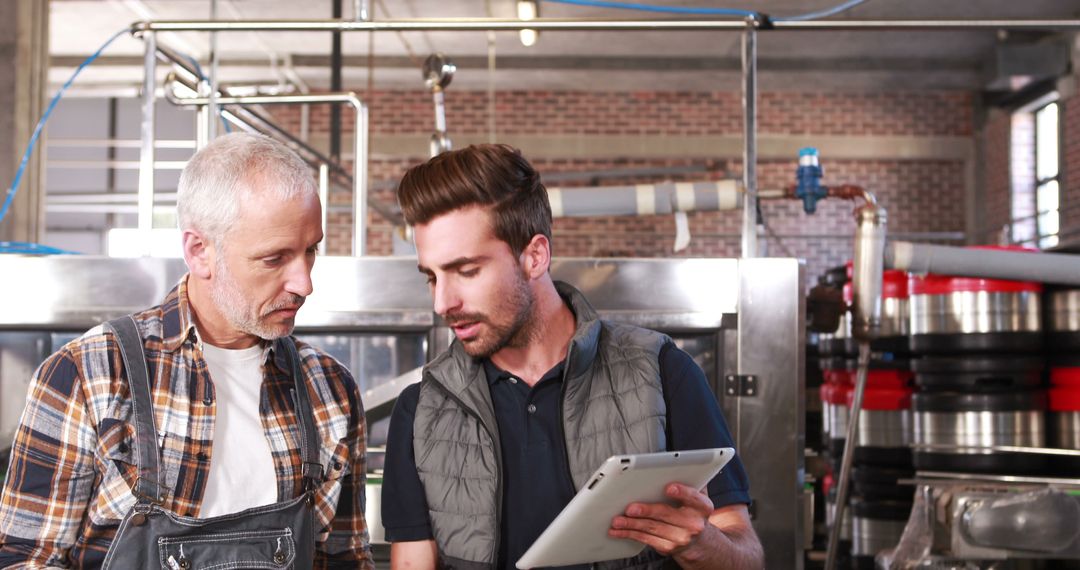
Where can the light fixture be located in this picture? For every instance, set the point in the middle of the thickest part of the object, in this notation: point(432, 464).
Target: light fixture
point(528, 10)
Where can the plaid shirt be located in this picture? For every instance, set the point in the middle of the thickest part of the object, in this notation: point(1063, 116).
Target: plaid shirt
point(73, 464)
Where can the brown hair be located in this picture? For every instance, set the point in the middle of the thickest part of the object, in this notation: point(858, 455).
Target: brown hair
point(494, 176)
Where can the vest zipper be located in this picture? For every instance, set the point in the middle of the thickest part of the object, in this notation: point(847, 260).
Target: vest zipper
point(562, 414)
point(498, 462)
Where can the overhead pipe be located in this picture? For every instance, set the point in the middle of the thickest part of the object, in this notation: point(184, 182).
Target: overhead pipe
point(594, 25)
point(644, 199)
point(985, 263)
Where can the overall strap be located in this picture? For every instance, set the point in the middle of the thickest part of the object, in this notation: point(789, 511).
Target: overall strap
point(309, 439)
point(147, 486)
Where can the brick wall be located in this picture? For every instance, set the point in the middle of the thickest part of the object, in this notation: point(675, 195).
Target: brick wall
point(995, 139)
point(922, 195)
point(1070, 192)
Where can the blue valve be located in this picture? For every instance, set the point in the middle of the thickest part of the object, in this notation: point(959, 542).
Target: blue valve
point(808, 178)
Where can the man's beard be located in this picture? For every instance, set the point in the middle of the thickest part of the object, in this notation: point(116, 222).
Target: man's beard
point(516, 333)
point(230, 301)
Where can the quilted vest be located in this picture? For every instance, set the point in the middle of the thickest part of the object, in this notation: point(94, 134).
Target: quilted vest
point(612, 403)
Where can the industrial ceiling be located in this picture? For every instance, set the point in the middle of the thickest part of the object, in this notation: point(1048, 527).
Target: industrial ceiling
point(601, 61)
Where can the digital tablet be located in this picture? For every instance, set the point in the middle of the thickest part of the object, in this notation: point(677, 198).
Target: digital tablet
point(579, 534)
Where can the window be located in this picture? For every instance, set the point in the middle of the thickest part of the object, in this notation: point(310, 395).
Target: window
point(1035, 174)
point(1046, 175)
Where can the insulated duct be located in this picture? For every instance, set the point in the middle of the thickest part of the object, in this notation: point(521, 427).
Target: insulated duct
point(987, 263)
point(644, 199)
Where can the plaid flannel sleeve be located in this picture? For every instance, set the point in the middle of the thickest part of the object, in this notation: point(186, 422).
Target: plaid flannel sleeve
point(348, 544)
point(51, 475)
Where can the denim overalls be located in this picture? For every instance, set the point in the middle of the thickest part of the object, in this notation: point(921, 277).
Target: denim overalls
point(277, 536)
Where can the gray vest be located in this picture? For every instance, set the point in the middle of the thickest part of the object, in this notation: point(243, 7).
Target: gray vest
point(612, 403)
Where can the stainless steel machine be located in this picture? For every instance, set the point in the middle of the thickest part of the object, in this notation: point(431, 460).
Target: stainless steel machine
point(742, 320)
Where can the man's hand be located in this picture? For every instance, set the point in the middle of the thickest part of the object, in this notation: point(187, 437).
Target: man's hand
point(692, 532)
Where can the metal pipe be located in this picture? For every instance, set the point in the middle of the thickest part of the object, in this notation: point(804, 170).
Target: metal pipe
point(361, 10)
point(360, 179)
point(360, 144)
point(592, 25)
point(324, 199)
point(749, 101)
point(212, 107)
point(849, 455)
point(146, 153)
point(644, 199)
point(335, 84)
point(986, 263)
point(868, 270)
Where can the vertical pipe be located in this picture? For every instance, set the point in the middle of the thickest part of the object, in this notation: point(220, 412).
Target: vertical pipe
point(360, 183)
point(335, 86)
point(362, 10)
point(110, 158)
point(202, 125)
point(324, 200)
point(749, 70)
point(146, 154)
point(212, 108)
point(849, 455)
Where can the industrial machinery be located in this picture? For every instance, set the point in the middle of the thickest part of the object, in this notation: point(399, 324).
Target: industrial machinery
point(743, 321)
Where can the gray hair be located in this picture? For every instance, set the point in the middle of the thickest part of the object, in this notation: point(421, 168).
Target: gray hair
point(215, 179)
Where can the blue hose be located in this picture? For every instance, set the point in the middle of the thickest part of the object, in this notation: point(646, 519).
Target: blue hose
point(45, 117)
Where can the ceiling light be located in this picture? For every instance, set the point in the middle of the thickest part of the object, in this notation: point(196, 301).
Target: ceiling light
point(528, 10)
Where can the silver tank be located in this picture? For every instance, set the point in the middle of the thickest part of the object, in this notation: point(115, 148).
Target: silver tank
point(870, 536)
point(1019, 428)
point(1064, 311)
point(1065, 427)
point(968, 312)
point(884, 428)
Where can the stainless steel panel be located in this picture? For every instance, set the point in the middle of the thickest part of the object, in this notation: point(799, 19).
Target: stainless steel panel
point(895, 317)
point(1065, 427)
point(386, 293)
point(770, 437)
point(884, 428)
point(838, 421)
point(870, 536)
point(20, 355)
point(975, 312)
point(1065, 311)
point(373, 512)
point(687, 294)
point(979, 428)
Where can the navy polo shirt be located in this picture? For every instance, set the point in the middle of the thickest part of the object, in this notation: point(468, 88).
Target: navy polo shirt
point(536, 477)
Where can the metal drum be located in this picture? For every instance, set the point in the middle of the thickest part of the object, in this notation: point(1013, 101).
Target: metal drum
point(956, 420)
point(838, 418)
point(1063, 320)
point(885, 432)
point(877, 525)
point(1064, 418)
point(978, 372)
point(962, 314)
point(874, 483)
point(895, 314)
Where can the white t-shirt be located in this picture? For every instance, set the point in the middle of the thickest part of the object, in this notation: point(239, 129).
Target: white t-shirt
point(242, 473)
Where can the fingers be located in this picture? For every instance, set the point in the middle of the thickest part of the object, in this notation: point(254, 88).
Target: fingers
point(664, 527)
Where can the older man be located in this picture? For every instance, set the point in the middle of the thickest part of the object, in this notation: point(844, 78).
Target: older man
point(198, 433)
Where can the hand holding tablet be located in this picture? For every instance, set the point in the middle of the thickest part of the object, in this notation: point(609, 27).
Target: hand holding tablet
point(579, 534)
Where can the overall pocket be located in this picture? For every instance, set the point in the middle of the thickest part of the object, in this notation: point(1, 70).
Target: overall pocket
point(274, 549)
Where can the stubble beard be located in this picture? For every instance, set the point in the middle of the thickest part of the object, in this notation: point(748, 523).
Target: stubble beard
point(516, 333)
point(230, 301)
